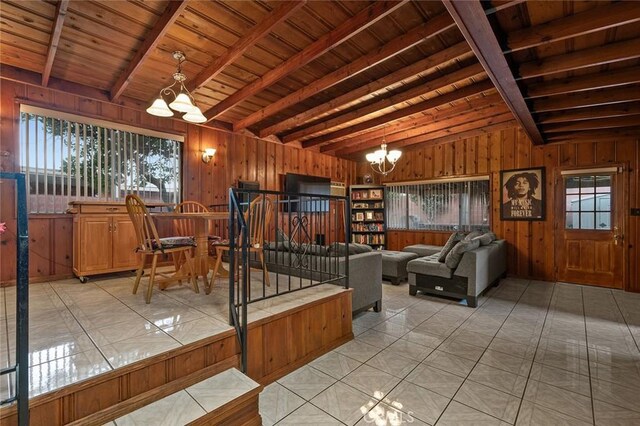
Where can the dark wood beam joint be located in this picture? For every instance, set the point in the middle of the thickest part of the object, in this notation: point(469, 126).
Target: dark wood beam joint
point(474, 25)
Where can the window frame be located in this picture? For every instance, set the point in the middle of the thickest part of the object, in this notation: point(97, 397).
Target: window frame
point(76, 128)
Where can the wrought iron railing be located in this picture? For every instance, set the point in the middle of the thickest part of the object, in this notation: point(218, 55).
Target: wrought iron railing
point(21, 367)
point(291, 241)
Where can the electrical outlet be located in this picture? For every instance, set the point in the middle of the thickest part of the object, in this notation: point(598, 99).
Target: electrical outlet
point(635, 212)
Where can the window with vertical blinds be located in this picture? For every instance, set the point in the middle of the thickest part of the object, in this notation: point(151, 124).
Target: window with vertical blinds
point(70, 158)
point(451, 205)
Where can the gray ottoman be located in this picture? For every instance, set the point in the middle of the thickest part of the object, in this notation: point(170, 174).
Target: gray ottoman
point(394, 265)
point(423, 249)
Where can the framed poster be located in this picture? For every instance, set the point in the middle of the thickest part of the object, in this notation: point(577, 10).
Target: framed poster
point(522, 194)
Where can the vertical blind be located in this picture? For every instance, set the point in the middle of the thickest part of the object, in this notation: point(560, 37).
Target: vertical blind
point(66, 159)
point(438, 205)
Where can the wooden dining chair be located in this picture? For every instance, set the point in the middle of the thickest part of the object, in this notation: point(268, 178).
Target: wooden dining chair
point(149, 244)
point(258, 218)
point(185, 227)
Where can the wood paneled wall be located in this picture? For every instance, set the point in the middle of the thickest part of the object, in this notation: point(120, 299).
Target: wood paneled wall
point(531, 244)
point(238, 157)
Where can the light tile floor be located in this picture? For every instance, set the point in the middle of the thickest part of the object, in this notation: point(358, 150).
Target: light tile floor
point(533, 353)
point(77, 331)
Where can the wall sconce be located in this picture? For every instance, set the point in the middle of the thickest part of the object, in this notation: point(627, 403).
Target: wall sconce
point(207, 154)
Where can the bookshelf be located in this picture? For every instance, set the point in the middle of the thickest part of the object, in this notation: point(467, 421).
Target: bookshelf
point(368, 222)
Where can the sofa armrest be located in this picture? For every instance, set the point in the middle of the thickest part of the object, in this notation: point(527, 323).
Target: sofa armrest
point(365, 278)
point(482, 266)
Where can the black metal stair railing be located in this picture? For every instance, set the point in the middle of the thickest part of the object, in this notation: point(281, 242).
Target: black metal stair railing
point(285, 253)
point(21, 367)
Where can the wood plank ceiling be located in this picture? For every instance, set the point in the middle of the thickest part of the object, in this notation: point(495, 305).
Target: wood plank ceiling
point(341, 76)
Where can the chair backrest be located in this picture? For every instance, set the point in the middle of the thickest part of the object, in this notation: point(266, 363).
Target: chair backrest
point(143, 224)
point(185, 227)
point(258, 219)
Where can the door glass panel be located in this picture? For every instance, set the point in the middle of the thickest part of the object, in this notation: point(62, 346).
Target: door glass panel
point(588, 202)
point(603, 184)
point(603, 202)
point(587, 220)
point(587, 185)
point(603, 220)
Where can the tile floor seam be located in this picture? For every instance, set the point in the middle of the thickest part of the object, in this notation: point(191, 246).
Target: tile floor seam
point(483, 352)
point(553, 291)
point(95, 344)
point(626, 322)
point(309, 402)
point(586, 337)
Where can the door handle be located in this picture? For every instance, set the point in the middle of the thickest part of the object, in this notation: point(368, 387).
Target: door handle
point(618, 238)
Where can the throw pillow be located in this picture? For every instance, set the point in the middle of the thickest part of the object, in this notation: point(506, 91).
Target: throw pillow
point(471, 235)
point(455, 255)
point(486, 238)
point(451, 242)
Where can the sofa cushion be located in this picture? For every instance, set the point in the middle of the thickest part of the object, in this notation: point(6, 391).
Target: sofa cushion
point(451, 242)
point(429, 266)
point(423, 249)
point(455, 255)
point(486, 238)
point(340, 249)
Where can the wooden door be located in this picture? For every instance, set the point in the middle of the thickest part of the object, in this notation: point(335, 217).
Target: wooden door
point(590, 233)
point(124, 243)
point(94, 249)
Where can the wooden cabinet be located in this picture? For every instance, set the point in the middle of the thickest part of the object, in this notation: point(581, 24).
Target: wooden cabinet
point(104, 239)
point(368, 225)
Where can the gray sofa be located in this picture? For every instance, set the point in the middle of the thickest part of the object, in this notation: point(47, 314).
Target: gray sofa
point(477, 270)
point(321, 262)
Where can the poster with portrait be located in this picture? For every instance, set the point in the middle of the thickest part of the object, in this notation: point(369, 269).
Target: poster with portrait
point(522, 194)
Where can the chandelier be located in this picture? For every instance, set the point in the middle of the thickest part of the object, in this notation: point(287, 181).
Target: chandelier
point(381, 157)
point(181, 100)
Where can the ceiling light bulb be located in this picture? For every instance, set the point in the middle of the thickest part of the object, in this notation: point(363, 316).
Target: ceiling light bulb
point(182, 103)
point(159, 108)
point(394, 155)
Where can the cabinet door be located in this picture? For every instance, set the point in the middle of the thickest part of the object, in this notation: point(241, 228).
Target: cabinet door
point(124, 243)
point(94, 247)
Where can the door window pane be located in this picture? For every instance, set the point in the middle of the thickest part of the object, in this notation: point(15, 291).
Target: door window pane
point(588, 202)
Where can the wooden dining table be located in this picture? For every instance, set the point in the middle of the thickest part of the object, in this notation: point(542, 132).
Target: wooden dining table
point(201, 230)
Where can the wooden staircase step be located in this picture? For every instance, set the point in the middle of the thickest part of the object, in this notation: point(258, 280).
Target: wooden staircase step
point(228, 398)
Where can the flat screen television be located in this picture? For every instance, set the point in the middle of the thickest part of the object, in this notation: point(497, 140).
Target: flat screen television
point(306, 184)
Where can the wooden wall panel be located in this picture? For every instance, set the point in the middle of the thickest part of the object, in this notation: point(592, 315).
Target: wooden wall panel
point(238, 157)
point(530, 244)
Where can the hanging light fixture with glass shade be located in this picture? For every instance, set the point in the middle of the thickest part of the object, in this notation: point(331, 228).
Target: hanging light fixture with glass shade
point(381, 157)
point(182, 100)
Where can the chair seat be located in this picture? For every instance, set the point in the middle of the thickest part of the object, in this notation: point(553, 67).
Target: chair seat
point(174, 242)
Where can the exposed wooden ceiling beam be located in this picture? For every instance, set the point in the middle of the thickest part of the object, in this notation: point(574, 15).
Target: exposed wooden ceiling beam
point(396, 46)
point(418, 88)
point(474, 25)
point(588, 99)
point(56, 30)
point(168, 17)
point(592, 20)
point(590, 113)
point(599, 135)
point(458, 136)
point(597, 124)
point(343, 32)
point(446, 121)
point(377, 135)
point(466, 91)
point(262, 29)
point(604, 80)
point(498, 5)
point(601, 55)
point(422, 67)
point(480, 123)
